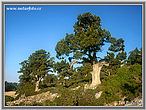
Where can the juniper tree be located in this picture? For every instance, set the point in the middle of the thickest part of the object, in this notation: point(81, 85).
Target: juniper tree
point(87, 40)
point(135, 57)
point(64, 71)
point(36, 67)
point(116, 55)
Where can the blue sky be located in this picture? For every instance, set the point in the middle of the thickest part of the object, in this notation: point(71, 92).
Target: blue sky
point(28, 31)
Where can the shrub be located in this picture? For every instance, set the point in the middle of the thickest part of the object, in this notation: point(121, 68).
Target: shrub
point(126, 82)
point(8, 99)
point(26, 89)
point(133, 86)
point(74, 98)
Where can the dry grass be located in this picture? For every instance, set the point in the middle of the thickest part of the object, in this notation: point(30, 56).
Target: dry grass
point(10, 93)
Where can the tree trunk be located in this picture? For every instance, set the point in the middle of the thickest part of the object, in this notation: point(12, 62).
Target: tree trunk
point(37, 85)
point(96, 74)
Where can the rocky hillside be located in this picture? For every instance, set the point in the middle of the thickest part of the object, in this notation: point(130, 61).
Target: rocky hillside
point(48, 96)
point(39, 98)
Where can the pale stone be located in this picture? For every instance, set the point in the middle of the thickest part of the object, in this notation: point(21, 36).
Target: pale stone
point(36, 98)
point(97, 95)
point(76, 88)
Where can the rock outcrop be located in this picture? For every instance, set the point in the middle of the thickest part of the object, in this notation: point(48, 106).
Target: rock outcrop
point(98, 94)
point(39, 98)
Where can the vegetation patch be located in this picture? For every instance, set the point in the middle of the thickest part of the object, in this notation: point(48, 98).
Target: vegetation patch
point(80, 73)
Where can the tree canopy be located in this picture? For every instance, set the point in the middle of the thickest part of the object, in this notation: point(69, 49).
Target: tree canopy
point(88, 38)
point(135, 56)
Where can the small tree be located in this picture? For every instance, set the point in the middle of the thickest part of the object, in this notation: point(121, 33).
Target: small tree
point(135, 57)
point(116, 56)
point(116, 51)
point(64, 71)
point(36, 67)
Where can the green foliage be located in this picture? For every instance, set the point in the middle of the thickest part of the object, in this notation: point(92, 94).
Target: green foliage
point(26, 89)
point(83, 72)
point(80, 75)
point(135, 57)
point(64, 72)
point(35, 68)
point(85, 21)
point(62, 68)
point(126, 82)
point(87, 98)
point(84, 44)
point(10, 86)
point(116, 45)
point(40, 64)
point(114, 64)
point(116, 58)
point(50, 80)
point(133, 87)
point(8, 99)
point(121, 56)
point(88, 39)
point(74, 98)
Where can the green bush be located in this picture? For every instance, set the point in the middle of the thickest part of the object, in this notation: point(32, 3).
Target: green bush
point(126, 82)
point(8, 99)
point(74, 98)
point(26, 89)
point(87, 98)
point(133, 86)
